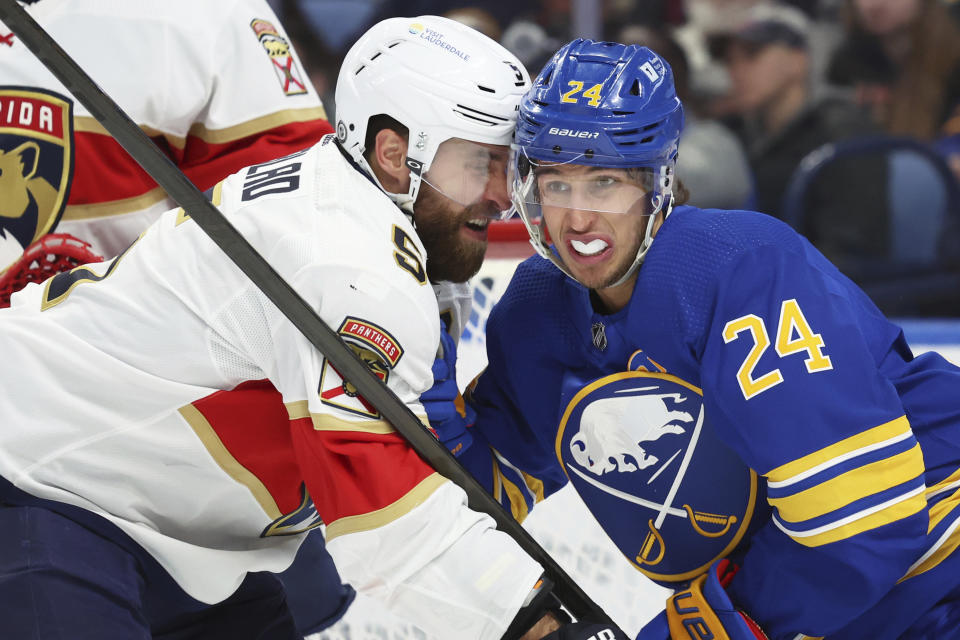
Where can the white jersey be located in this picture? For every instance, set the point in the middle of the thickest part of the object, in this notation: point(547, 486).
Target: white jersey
point(215, 83)
point(164, 392)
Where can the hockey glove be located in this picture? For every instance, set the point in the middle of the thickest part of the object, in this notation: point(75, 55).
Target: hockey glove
point(703, 609)
point(450, 417)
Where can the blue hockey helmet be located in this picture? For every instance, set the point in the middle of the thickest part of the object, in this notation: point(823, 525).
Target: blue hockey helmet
point(599, 104)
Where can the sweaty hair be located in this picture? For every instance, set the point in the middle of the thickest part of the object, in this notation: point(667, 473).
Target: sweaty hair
point(680, 192)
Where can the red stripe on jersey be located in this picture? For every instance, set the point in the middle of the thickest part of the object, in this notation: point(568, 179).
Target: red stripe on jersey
point(252, 423)
point(351, 473)
point(104, 172)
point(207, 163)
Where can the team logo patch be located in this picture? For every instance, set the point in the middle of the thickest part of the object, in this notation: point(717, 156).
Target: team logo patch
point(301, 519)
point(376, 348)
point(284, 65)
point(36, 164)
point(671, 495)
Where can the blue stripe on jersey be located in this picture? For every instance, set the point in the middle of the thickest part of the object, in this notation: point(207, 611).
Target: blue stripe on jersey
point(862, 505)
point(831, 473)
point(899, 507)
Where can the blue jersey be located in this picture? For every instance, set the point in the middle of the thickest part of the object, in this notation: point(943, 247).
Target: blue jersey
point(749, 402)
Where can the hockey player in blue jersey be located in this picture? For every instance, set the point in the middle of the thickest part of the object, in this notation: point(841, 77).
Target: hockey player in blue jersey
point(743, 422)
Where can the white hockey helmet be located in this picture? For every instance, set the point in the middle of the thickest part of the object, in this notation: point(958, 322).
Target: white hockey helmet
point(437, 77)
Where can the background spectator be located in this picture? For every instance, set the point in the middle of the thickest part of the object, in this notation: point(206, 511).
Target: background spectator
point(780, 116)
point(902, 57)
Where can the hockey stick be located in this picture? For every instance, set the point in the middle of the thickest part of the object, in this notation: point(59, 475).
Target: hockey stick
point(236, 247)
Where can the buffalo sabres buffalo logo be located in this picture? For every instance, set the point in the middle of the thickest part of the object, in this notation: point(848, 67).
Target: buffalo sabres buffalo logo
point(376, 348)
point(639, 451)
point(36, 157)
point(281, 57)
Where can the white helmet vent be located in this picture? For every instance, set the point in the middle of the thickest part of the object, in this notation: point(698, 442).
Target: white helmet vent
point(479, 116)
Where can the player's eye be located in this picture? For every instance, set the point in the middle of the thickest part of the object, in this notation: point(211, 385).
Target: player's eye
point(478, 168)
point(554, 187)
point(603, 185)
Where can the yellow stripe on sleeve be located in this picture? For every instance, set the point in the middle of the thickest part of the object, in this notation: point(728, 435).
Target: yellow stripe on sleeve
point(851, 486)
point(862, 440)
point(950, 482)
point(518, 505)
point(897, 509)
point(497, 486)
point(535, 486)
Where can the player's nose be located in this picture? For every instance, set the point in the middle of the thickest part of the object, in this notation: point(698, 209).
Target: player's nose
point(497, 191)
point(580, 220)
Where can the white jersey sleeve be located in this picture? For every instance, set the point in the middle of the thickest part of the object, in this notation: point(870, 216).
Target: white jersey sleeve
point(215, 84)
point(179, 390)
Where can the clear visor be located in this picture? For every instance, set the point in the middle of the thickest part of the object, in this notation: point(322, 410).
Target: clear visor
point(585, 184)
point(472, 173)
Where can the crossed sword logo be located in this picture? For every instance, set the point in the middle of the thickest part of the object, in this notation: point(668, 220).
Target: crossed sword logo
point(653, 538)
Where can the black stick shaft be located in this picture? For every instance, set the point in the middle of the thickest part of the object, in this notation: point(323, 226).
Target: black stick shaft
point(236, 247)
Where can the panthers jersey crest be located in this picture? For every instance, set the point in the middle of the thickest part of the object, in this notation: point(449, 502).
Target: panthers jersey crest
point(638, 450)
point(36, 161)
point(284, 64)
point(379, 350)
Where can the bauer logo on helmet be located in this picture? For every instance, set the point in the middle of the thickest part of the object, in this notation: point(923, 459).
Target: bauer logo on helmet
point(573, 133)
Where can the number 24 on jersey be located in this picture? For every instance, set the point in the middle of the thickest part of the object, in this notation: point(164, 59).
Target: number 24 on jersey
point(794, 335)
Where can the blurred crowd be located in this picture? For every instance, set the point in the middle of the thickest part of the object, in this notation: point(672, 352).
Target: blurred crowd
point(841, 117)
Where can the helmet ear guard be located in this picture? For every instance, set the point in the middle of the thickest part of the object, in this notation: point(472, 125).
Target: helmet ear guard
point(599, 104)
point(438, 78)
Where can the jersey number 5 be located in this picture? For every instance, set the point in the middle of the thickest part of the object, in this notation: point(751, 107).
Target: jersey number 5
point(407, 255)
point(793, 335)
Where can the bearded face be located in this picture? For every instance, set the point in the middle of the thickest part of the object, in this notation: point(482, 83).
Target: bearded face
point(464, 189)
point(454, 236)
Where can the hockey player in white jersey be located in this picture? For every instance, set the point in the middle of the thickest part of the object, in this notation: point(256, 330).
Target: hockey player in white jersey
point(216, 84)
point(163, 424)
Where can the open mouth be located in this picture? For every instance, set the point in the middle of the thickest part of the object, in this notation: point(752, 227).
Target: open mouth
point(478, 224)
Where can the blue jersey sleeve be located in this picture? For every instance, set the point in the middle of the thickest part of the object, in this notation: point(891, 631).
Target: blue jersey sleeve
point(512, 453)
point(792, 383)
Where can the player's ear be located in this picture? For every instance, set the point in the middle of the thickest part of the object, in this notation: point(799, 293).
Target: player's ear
point(389, 161)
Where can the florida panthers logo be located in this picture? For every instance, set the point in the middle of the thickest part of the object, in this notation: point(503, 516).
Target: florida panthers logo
point(377, 348)
point(284, 64)
point(36, 157)
point(638, 449)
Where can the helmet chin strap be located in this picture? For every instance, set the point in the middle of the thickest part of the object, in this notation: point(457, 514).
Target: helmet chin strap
point(403, 200)
point(538, 241)
point(647, 238)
